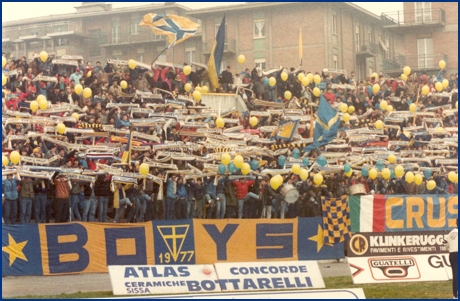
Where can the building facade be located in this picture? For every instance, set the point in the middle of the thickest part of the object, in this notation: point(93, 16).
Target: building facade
point(334, 35)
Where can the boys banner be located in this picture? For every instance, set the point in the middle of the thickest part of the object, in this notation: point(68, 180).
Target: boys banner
point(71, 248)
point(392, 213)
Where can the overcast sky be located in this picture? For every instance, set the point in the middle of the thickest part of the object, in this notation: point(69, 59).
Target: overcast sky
point(12, 11)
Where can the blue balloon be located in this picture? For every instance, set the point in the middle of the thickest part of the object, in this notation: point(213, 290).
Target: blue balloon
point(392, 173)
point(305, 161)
point(231, 167)
point(379, 165)
point(222, 168)
point(365, 171)
point(254, 164)
point(427, 173)
point(347, 167)
point(281, 160)
point(296, 153)
point(266, 81)
point(321, 160)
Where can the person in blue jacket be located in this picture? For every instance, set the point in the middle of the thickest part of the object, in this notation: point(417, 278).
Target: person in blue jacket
point(10, 207)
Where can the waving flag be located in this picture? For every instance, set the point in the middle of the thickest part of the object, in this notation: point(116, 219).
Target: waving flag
point(215, 59)
point(177, 29)
point(286, 129)
point(336, 219)
point(327, 125)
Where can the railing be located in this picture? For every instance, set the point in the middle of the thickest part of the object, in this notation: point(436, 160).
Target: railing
point(367, 46)
point(421, 62)
point(414, 17)
point(40, 30)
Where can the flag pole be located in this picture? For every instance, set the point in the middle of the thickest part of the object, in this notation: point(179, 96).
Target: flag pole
point(154, 60)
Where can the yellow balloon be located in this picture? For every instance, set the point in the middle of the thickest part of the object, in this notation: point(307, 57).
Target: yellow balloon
point(197, 88)
point(43, 56)
point(225, 159)
point(442, 64)
point(351, 109)
point(440, 129)
point(375, 75)
point(425, 90)
point(220, 123)
point(241, 59)
point(373, 173)
point(383, 105)
point(452, 176)
point(378, 124)
point(303, 174)
point(78, 89)
point(410, 177)
point(34, 105)
point(88, 74)
point(43, 104)
point(430, 185)
point(300, 76)
point(187, 70)
point(253, 121)
point(438, 86)
point(187, 87)
point(132, 64)
point(15, 157)
point(318, 179)
point(123, 84)
point(274, 183)
point(310, 77)
point(418, 179)
point(392, 159)
point(413, 107)
point(287, 95)
point(404, 77)
point(399, 171)
point(4, 79)
point(245, 169)
point(76, 116)
point(316, 91)
point(87, 93)
point(144, 169)
point(196, 95)
point(305, 81)
point(238, 161)
point(343, 107)
point(3, 64)
point(348, 174)
point(284, 76)
point(60, 128)
point(386, 173)
point(204, 89)
point(346, 117)
point(5, 161)
point(376, 88)
point(296, 169)
point(317, 79)
point(445, 83)
point(272, 81)
point(390, 108)
point(406, 70)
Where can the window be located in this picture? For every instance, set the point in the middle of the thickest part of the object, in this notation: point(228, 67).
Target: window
point(357, 42)
point(335, 63)
point(422, 12)
point(260, 63)
point(61, 42)
point(115, 32)
point(259, 29)
point(134, 27)
point(387, 45)
point(190, 55)
point(140, 58)
point(96, 40)
point(334, 23)
point(157, 37)
point(425, 53)
point(371, 70)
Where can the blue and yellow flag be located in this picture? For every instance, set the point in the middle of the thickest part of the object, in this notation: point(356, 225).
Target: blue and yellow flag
point(126, 158)
point(326, 127)
point(176, 28)
point(286, 130)
point(336, 219)
point(215, 59)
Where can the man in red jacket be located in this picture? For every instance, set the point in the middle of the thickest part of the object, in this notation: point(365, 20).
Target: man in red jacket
point(243, 194)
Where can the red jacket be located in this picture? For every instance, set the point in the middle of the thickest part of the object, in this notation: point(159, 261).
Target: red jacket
point(242, 188)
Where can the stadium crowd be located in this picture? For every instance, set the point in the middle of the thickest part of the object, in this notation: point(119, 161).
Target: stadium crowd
point(190, 190)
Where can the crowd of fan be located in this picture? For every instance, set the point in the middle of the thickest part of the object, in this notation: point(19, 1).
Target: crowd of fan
point(224, 197)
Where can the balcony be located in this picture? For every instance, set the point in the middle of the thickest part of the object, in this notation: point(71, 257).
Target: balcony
point(417, 63)
point(41, 31)
point(366, 50)
point(409, 19)
point(229, 47)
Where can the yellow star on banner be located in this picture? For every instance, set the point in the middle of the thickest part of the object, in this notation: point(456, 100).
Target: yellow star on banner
point(14, 249)
point(319, 238)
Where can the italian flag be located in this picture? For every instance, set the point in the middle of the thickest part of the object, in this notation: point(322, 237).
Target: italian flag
point(367, 213)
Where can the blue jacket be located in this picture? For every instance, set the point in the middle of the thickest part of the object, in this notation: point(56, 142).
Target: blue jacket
point(10, 189)
point(41, 91)
point(181, 191)
point(211, 188)
point(221, 185)
point(170, 190)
